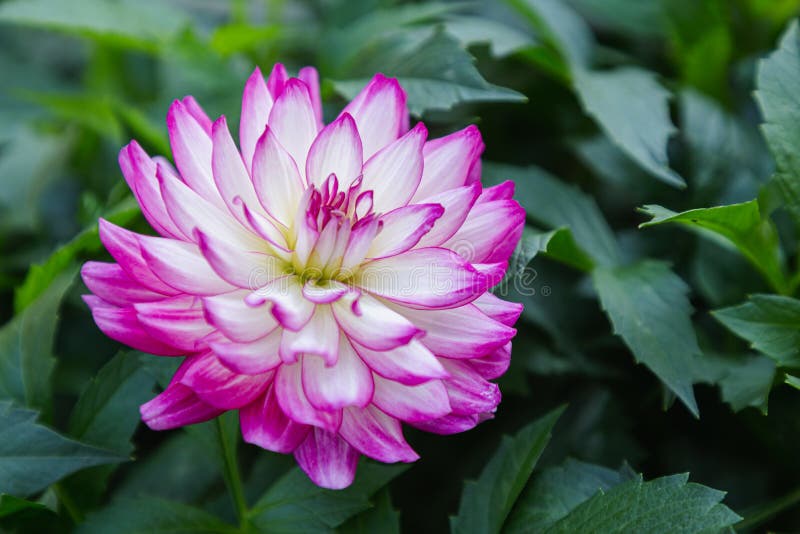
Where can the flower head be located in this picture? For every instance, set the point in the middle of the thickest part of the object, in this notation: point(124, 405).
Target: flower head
point(330, 282)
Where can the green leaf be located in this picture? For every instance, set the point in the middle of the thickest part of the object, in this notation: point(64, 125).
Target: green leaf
point(744, 381)
point(10, 505)
point(486, 502)
point(667, 504)
point(556, 205)
point(295, 504)
point(558, 490)
point(770, 323)
point(777, 77)
point(648, 307)
point(32, 456)
point(737, 225)
point(26, 343)
point(557, 244)
point(632, 108)
point(95, 112)
point(382, 517)
point(233, 38)
point(107, 411)
point(142, 24)
point(503, 40)
point(562, 28)
point(146, 515)
point(436, 75)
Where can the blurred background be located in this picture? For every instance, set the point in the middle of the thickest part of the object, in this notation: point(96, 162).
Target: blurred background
point(80, 78)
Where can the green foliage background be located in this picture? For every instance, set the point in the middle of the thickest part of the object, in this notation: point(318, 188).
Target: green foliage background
point(655, 145)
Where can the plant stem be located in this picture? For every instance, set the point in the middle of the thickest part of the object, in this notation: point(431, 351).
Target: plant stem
point(68, 504)
point(231, 473)
point(767, 511)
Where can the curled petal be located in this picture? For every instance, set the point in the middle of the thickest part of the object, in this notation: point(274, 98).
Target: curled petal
point(375, 326)
point(409, 364)
point(294, 403)
point(111, 283)
point(327, 459)
point(403, 228)
point(468, 391)
point(346, 383)
point(218, 386)
point(236, 319)
point(319, 337)
point(289, 307)
point(252, 358)
point(376, 435)
point(177, 321)
point(494, 364)
point(456, 203)
point(412, 403)
point(264, 424)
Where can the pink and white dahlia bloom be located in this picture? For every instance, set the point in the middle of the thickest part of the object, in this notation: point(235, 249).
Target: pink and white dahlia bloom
point(330, 282)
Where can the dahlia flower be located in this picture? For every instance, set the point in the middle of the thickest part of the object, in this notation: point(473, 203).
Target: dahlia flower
point(329, 282)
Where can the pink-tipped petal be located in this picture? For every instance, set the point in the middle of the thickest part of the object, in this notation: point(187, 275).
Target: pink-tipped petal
point(177, 406)
point(230, 174)
point(456, 203)
point(177, 321)
point(376, 327)
point(422, 402)
point(380, 113)
point(450, 424)
point(294, 403)
point(310, 77)
point(293, 120)
point(493, 365)
point(394, 172)
point(264, 424)
point(490, 232)
point(346, 383)
point(409, 364)
point(328, 460)
point(336, 151)
point(236, 319)
point(319, 337)
point(276, 178)
point(110, 282)
point(215, 384)
point(277, 80)
point(325, 293)
point(426, 278)
point(376, 434)
point(256, 106)
point(469, 392)
point(247, 270)
point(498, 309)
point(448, 161)
point(252, 358)
point(197, 113)
point(403, 228)
point(360, 240)
point(289, 307)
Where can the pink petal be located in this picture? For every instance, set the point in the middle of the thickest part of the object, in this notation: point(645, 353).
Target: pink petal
point(336, 150)
point(294, 403)
point(236, 319)
point(251, 358)
point(449, 424)
point(493, 365)
point(498, 309)
point(346, 383)
point(218, 386)
point(403, 228)
point(456, 203)
point(140, 173)
point(469, 393)
point(377, 435)
point(264, 424)
point(319, 337)
point(230, 174)
point(197, 113)
point(411, 403)
point(423, 278)
point(191, 147)
point(276, 178)
point(375, 326)
point(277, 80)
point(121, 324)
point(289, 307)
point(361, 238)
point(310, 77)
point(177, 321)
point(380, 113)
point(123, 245)
point(463, 332)
point(324, 293)
point(327, 459)
point(256, 106)
point(448, 161)
point(177, 406)
point(293, 120)
point(247, 270)
point(395, 171)
point(409, 364)
point(182, 266)
point(110, 282)
point(490, 232)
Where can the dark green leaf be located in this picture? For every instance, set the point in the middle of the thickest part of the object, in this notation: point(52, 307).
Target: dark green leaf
point(648, 307)
point(147, 515)
point(380, 518)
point(10, 505)
point(744, 381)
point(771, 323)
point(739, 225)
point(486, 502)
point(32, 456)
point(503, 40)
point(295, 504)
point(563, 29)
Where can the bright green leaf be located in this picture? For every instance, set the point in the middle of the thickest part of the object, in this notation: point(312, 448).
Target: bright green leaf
point(648, 307)
point(232, 38)
point(739, 225)
point(486, 502)
point(557, 244)
point(770, 323)
point(32, 456)
point(10, 505)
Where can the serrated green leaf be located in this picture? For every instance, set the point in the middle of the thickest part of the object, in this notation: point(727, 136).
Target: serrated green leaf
point(382, 517)
point(737, 225)
point(149, 515)
point(562, 27)
point(503, 40)
point(777, 77)
point(295, 504)
point(556, 205)
point(26, 344)
point(558, 490)
point(436, 75)
point(486, 502)
point(32, 456)
point(744, 381)
point(557, 244)
point(632, 108)
point(770, 323)
point(648, 307)
point(669, 504)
